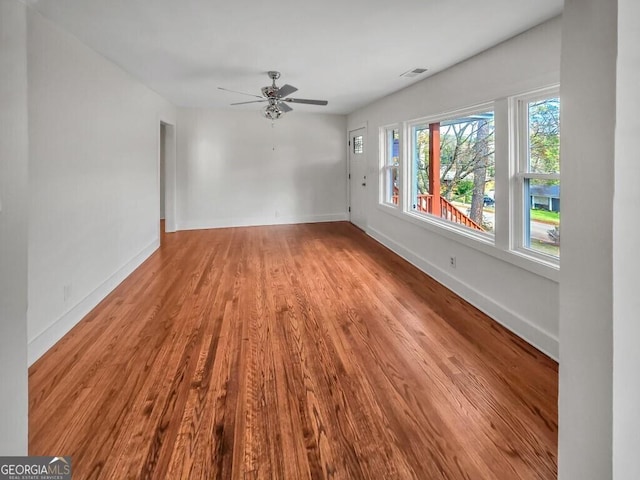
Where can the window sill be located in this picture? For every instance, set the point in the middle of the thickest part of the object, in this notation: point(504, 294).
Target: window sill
point(478, 241)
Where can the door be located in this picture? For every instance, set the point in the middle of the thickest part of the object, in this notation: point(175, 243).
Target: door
point(357, 178)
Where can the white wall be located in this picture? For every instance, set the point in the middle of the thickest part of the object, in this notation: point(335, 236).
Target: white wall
point(13, 228)
point(238, 168)
point(93, 169)
point(626, 259)
point(525, 302)
point(587, 145)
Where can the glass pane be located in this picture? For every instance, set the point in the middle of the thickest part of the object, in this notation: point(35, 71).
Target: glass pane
point(393, 144)
point(467, 168)
point(391, 166)
point(419, 170)
point(393, 185)
point(357, 144)
point(542, 216)
point(544, 136)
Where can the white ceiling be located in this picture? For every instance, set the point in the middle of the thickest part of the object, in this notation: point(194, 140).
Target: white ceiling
point(349, 52)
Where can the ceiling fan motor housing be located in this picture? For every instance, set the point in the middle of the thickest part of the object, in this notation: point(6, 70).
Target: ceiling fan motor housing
point(270, 91)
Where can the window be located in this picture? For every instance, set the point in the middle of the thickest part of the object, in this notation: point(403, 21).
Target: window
point(453, 169)
point(537, 180)
point(357, 144)
point(391, 166)
point(487, 176)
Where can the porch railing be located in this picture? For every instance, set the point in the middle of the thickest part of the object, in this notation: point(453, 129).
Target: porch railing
point(450, 212)
point(447, 210)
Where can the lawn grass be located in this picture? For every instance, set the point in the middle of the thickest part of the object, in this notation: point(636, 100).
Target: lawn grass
point(545, 216)
point(545, 247)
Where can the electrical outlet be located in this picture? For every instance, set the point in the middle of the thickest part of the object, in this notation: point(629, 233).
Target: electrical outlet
point(452, 262)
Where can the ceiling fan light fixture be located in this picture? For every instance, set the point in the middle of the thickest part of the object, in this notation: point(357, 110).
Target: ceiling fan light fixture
point(272, 112)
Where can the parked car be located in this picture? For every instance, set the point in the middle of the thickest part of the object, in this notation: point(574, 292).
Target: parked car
point(488, 201)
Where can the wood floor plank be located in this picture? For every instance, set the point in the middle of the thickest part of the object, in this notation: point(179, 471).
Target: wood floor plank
point(292, 352)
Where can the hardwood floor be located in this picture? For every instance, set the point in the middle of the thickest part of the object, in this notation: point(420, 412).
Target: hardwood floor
point(292, 352)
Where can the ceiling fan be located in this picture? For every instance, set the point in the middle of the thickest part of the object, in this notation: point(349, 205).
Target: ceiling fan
point(277, 97)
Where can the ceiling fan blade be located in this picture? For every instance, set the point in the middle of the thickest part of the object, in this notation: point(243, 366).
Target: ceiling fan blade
point(286, 90)
point(252, 101)
point(241, 93)
point(305, 100)
point(284, 107)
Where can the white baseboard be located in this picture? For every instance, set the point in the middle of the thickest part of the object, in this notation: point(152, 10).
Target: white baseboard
point(261, 221)
point(45, 340)
point(542, 340)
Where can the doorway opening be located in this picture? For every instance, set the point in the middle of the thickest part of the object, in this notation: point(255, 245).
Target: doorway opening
point(167, 178)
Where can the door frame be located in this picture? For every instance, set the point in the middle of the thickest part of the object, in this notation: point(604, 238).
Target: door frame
point(350, 131)
point(169, 174)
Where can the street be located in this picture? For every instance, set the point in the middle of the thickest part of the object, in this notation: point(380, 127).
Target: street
point(538, 229)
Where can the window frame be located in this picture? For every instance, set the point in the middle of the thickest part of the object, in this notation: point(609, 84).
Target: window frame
point(407, 162)
point(520, 175)
point(387, 166)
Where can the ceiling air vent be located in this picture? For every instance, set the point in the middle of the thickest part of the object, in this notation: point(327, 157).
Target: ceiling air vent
point(414, 73)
